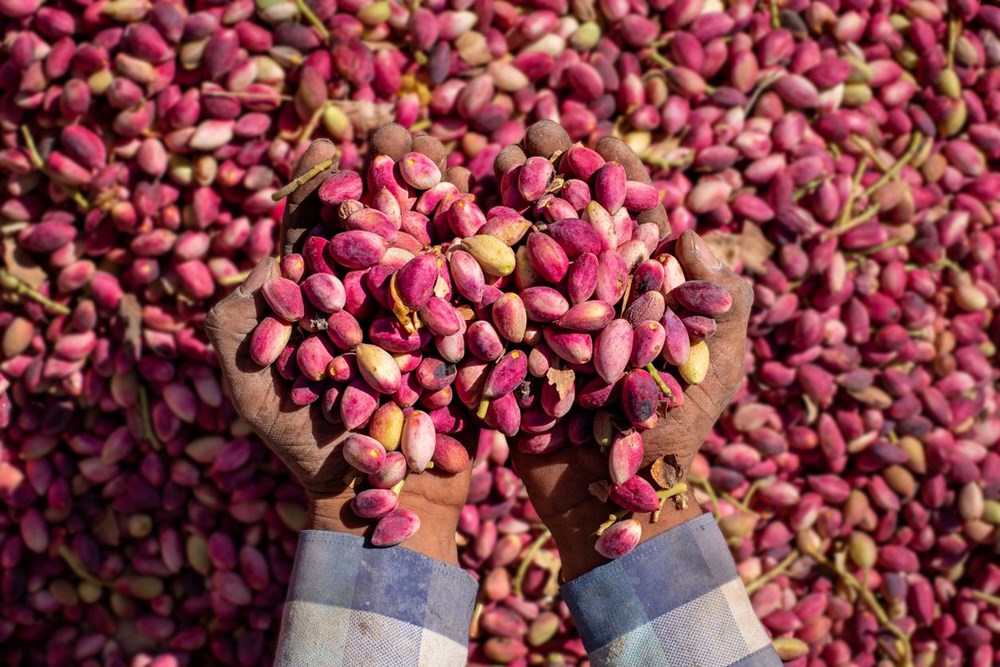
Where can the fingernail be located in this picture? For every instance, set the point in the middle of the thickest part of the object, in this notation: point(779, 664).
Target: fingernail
point(705, 253)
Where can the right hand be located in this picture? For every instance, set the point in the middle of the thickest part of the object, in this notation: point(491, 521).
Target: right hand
point(558, 482)
point(300, 436)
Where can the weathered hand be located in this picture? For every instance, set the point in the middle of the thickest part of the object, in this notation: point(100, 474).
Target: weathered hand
point(300, 436)
point(557, 483)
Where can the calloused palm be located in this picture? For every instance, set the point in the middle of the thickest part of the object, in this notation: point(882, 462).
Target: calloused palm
point(300, 436)
point(558, 483)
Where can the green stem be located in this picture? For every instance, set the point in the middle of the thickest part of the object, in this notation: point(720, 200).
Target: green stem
point(869, 151)
point(612, 520)
point(529, 556)
point(854, 222)
point(986, 597)
point(39, 164)
point(252, 97)
point(420, 125)
point(713, 497)
point(665, 494)
point(651, 369)
point(298, 182)
point(307, 130)
point(655, 56)
point(313, 19)
point(890, 173)
point(147, 421)
point(235, 279)
point(775, 15)
point(872, 602)
point(891, 243)
point(954, 31)
point(12, 228)
point(79, 569)
point(751, 490)
point(859, 172)
point(770, 575)
point(10, 282)
point(765, 82)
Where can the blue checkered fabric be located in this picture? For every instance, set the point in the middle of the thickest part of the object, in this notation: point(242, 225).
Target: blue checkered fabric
point(674, 601)
point(353, 605)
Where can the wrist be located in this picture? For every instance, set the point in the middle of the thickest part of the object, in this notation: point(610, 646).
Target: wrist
point(435, 538)
point(576, 533)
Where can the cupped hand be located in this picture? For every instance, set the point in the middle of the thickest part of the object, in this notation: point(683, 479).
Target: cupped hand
point(300, 436)
point(558, 483)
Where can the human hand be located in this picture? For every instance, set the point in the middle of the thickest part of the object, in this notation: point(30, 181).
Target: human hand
point(301, 437)
point(558, 482)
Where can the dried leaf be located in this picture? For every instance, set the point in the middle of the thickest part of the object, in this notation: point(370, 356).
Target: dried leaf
point(366, 116)
point(600, 490)
point(665, 471)
point(562, 379)
point(754, 247)
point(131, 313)
point(750, 248)
point(21, 266)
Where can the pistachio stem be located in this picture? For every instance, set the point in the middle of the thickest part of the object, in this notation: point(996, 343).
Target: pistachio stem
point(986, 597)
point(240, 95)
point(147, 421)
point(234, 279)
point(12, 228)
point(529, 556)
point(845, 214)
point(651, 369)
point(771, 574)
point(954, 31)
point(666, 494)
point(79, 569)
point(10, 282)
point(748, 496)
point(869, 151)
point(765, 82)
point(313, 19)
point(891, 172)
point(307, 130)
point(298, 182)
point(775, 15)
point(713, 497)
point(39, 164)
point(612, 520)
point(862, 218)
point(871, 601)
point(655, 56)
point(732, 500)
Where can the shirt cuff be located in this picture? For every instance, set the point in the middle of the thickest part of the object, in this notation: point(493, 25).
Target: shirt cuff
point(674, 600)
point(353, 604)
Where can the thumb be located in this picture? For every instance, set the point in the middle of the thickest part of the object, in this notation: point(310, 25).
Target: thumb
point(700, 263)
point(230, 322)
point(303, 205)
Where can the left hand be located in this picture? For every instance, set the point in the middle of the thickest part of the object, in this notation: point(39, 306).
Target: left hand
point(300, 436)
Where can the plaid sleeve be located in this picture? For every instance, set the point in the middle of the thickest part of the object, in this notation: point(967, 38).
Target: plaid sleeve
point(673, 601)
point(350, 604)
